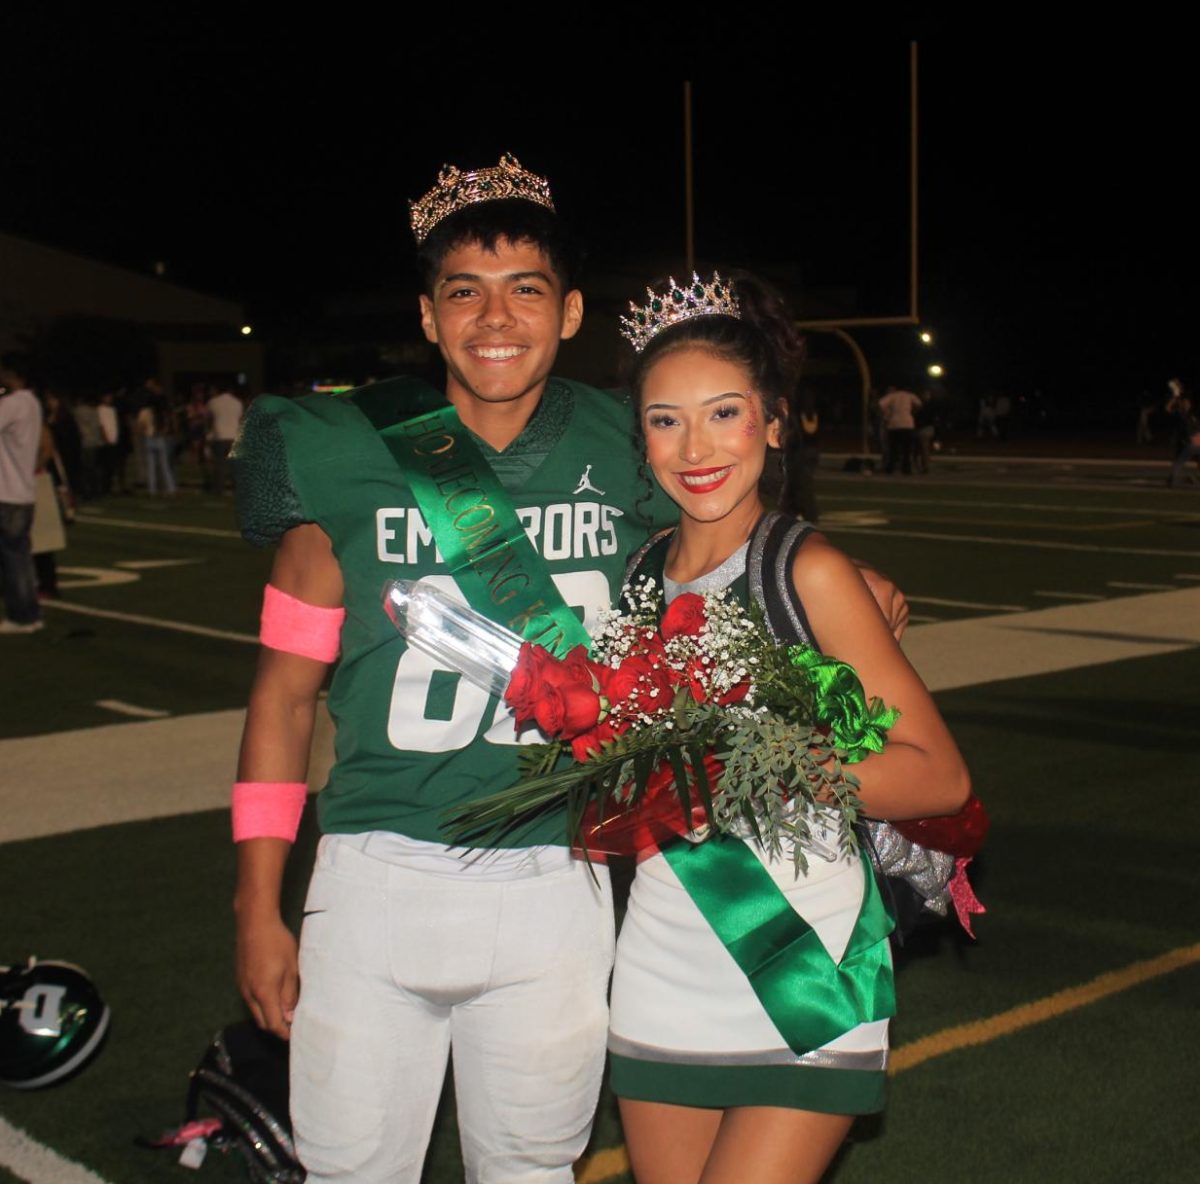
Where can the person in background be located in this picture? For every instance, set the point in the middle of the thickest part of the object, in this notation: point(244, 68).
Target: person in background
point(20, 438)
point(225, 412)
point(196, 431)
point(925, 420)
point(91, 440)
point(1185, 433)
point(801, 452)
point(153, 423)
point(110, 431)
point(898, 408)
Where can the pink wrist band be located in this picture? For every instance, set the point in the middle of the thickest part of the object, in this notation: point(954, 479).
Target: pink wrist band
point(294, 627)
point(267, 809)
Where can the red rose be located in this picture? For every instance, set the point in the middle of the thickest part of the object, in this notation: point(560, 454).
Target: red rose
point(559, 694)
point(548, 712)
point(573, 670)
point(684, 616)
point(581, 708)
point(735, 694)
point(695, 678)
point(588, 744)
point(639, 684)
point(525, 685)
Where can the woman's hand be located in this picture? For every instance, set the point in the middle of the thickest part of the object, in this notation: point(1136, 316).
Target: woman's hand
point(920, 772)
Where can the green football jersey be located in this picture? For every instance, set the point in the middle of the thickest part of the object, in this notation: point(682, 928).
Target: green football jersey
point(412, 740)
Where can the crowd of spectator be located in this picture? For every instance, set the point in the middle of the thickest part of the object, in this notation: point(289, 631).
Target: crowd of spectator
point(55, 450)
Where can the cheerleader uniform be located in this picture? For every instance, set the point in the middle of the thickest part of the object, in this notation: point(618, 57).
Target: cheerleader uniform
point(688, 1027)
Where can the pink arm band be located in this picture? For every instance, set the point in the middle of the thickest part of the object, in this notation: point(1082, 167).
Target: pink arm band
point(267, 809)
point(294, 627)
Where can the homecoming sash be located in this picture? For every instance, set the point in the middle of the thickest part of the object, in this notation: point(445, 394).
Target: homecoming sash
point(810, 998)
point(473, 521)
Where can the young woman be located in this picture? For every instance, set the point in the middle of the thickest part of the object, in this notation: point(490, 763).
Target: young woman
point(709, 1088)
point(153, 423)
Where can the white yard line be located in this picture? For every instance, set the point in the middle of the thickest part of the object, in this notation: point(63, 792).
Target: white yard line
point(1040, 544)
point(1000, 460)
point(152, 564)
point(1071, 595)
point(37, 1164)
point(1137, 587)
point(979, 650)
point(884, 501)
point(997, 608)
point(161, 527)
point(1186, 575)
point(114, 774)
point(156, 622)
point(123, 708)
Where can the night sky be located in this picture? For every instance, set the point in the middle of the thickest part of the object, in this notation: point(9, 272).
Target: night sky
point(1058, 234)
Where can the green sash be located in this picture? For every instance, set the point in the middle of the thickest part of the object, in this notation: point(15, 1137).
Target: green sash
point(809, 997)
point(472, 519)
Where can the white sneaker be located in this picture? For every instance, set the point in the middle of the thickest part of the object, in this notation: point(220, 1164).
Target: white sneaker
point(7, 626)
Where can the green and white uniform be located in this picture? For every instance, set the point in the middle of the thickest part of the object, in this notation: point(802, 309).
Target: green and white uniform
point(412, 740)
point(687, 1026)
point(407, 946)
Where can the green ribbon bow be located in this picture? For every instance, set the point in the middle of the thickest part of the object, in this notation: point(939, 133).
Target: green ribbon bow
point(841, 705)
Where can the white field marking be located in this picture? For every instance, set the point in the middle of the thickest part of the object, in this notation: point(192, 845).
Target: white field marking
point(201, 750)
point(1140, 587)
point(998, 608)
point(979, 650)
point(1071, 595)
point(156, 622)
point(94, 577)
point(1186, 575)
point(921, 619)
point(1068, 462)
point(163, 527)
point(886, 501)
point(855, 518)
point(123, 708)
point(1041, 544)
point(150, 564)
point(37, 1164)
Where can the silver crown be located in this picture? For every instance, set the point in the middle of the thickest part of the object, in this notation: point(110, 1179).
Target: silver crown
point(678, 302)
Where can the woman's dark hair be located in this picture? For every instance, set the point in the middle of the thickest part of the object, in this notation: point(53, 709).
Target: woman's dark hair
point(487, 222)
point(765, 341)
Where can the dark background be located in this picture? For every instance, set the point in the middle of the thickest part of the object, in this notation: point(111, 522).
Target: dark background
point(1057, 228)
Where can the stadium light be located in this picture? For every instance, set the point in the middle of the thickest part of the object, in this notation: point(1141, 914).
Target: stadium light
point(926, 337)
point(247, 330)
point(936, 371)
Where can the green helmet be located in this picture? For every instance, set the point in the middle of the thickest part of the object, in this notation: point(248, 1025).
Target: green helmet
point(52, 1021)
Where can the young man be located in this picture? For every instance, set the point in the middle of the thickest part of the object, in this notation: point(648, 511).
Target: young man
point(408, 949)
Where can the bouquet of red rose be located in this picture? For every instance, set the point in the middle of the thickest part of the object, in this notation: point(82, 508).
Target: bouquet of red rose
point(698, 719)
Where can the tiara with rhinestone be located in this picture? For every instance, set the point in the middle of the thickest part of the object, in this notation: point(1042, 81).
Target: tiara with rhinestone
point(678, 302)
point(455, 190)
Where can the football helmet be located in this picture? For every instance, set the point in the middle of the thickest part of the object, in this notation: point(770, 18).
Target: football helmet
point(52, 1022)
point(243, 1080)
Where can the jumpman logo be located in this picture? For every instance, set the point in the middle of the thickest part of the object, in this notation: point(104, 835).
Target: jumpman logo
point(585, 483)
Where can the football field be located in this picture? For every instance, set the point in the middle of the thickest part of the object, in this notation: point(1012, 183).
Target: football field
point(1056, 614)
